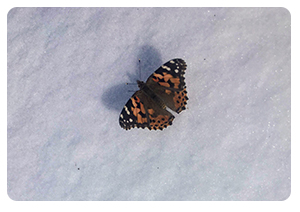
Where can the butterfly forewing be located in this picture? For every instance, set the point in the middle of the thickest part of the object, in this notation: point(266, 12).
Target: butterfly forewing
point(172, 89)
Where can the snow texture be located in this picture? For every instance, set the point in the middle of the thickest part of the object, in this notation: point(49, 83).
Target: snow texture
point(67, 75)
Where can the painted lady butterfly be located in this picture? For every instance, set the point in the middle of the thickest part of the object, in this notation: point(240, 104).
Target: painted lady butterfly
point(147, 106)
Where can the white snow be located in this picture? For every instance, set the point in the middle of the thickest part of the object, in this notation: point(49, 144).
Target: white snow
point(67, 75)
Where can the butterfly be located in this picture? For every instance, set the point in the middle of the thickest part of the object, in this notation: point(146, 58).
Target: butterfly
point(164, 88)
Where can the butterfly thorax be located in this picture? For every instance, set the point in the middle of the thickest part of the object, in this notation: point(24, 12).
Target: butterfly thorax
point(149, 92)
point(141, 84)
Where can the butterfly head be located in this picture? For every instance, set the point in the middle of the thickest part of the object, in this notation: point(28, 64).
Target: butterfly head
point(141, 84)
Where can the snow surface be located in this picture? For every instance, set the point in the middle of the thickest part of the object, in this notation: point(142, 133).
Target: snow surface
point(67, 69)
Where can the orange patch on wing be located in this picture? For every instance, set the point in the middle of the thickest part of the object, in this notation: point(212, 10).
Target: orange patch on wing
point(133, 102)
point(167, 76)
point(176, 82)
point(168, 91)
point(138, 99)
point(140, 119)
point(135, 110)
point(165, 84)
point(155, 79)
point(158, 76)
point(150, 111)
point(180, 100)
point(142, 108)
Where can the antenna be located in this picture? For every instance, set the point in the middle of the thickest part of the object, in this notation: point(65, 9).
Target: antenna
point(140, 74)
point(140, 77)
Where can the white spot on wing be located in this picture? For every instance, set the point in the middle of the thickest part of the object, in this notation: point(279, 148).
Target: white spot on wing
point(166, 67)
point(127, 111)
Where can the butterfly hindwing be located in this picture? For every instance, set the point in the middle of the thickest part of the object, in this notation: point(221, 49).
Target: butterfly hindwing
point(141, 111)
point(158, 117)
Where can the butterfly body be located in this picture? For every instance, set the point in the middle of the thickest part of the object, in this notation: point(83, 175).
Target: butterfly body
point(151, 94)
point(147, 106)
